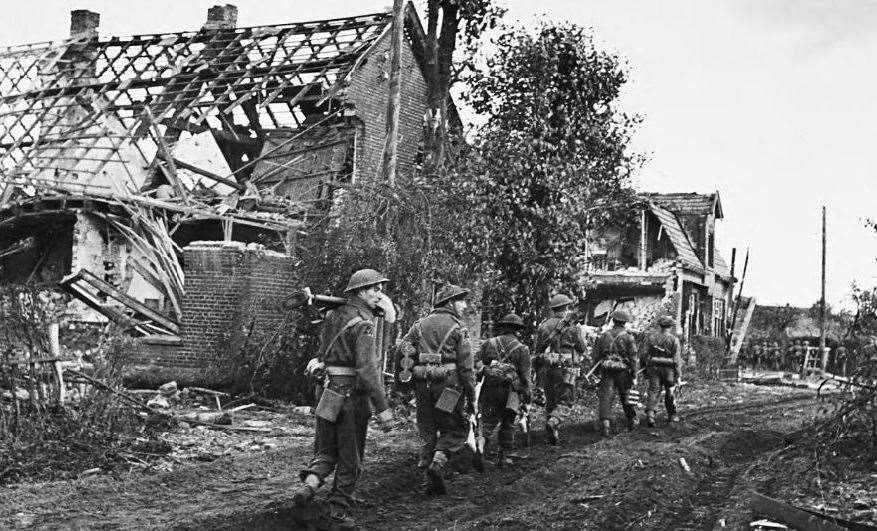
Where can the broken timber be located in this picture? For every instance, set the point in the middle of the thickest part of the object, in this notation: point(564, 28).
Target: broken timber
point(144, 319)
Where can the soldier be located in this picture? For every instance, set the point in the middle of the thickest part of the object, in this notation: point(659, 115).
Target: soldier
point(443, 375)
point(352, 368)
point(505, 364)
point(560, 348)
point(615, 350)
point(663, 362)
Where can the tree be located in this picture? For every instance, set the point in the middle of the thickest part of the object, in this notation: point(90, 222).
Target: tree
point(551, 161)
point(444, 21)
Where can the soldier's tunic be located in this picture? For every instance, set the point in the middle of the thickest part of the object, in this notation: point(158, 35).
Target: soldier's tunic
point(444, 360)
point(506, 363)
point(616, 342)
point(565, 349)
point(661, 377)
point(353, 371)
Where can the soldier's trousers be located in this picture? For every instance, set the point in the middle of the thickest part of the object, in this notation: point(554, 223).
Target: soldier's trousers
point(661, 379)
point(492, 404)
point(439, 431)
point(559, 392)
point(340, 446)
point(610, 383)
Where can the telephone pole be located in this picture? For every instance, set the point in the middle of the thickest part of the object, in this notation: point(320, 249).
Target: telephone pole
point(822, 351)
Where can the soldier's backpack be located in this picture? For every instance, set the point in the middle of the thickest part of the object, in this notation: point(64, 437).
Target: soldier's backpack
point(614, 362)
point(500, 370)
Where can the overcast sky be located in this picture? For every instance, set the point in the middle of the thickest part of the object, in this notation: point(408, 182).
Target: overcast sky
point(770, 102)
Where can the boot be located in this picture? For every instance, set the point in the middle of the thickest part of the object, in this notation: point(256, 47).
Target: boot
point(435, 474)
point(306, 491)
point(502, 460)
point(650, 419)
point(551, 432)
point(605, 429)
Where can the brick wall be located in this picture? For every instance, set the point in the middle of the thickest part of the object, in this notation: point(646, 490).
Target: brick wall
point(368, 91)
point(230, 288)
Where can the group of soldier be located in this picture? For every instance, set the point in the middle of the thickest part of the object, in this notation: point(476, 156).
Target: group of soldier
point(766, 355)
point(455, 387)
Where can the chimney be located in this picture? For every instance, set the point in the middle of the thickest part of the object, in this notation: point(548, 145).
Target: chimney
point(221, 17)
point(84, 23)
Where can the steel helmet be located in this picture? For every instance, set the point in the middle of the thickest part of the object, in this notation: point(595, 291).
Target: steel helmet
point(666, 321)
point(512, 320)
point(364, 278)
point(450, 292)
point(621, 316)
point(559, 301)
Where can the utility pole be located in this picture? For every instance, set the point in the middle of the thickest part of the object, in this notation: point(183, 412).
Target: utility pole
point(392, 142)
point(822, 350)
point(737, 302)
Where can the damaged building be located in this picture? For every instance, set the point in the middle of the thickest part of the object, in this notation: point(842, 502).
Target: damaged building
point(666, 262)
point(162, 180)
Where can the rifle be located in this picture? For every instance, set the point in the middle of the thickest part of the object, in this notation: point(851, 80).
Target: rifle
point(525, 421)
point(476, 438)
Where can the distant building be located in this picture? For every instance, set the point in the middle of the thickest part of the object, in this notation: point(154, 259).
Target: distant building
point(665, 262)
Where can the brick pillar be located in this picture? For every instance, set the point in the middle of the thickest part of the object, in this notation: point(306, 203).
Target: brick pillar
point(230, 288)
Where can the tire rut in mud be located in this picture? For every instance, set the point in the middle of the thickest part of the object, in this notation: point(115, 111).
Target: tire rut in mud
point(544, 490)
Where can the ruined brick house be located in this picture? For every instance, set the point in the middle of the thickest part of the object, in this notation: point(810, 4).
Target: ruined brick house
point(665, 262)
point(163, 179)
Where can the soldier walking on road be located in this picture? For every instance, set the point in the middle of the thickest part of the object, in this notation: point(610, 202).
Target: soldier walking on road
point(443, 373)
point(505, 363)
point(615, 351)
point(352, 368)
point(663, 362)
point(560, 349)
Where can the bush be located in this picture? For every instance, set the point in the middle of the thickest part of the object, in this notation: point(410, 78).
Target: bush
point(709, 355)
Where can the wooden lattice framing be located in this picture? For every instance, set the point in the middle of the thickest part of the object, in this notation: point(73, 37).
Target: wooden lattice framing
point(88, 115)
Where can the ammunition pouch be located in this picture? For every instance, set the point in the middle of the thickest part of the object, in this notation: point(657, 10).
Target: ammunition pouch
point(614, 363)
point(430, 358)
point(500, 374)
point(435, 373)
point(558, 359)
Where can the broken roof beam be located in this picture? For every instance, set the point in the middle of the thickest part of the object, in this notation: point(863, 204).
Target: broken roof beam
point(210, 175)
point(139, 309)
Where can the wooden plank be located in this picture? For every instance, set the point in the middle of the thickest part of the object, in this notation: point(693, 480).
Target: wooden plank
point(789, 514)
point(130, 302)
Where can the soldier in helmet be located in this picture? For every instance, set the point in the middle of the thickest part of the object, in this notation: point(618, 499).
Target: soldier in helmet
point(347, 350)
point(443, 377)
point(560, 349)
point(663, 362)
point(615, 350)
point(505, 363)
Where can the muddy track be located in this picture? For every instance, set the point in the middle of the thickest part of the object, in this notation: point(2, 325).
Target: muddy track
point(541, 490)
point(631, 480)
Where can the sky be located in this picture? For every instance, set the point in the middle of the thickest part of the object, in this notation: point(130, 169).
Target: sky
point(770, 102)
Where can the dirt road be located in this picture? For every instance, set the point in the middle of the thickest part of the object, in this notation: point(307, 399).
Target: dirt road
point(632, 480)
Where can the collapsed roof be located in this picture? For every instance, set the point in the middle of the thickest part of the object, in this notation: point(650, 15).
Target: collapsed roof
point(186, 118)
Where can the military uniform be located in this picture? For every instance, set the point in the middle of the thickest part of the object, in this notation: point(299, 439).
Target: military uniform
point(616, 350)
point(352, 369)
point(561, 348)
point(506, 369)
point(443, 375)
point(663, 360)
